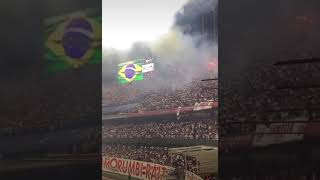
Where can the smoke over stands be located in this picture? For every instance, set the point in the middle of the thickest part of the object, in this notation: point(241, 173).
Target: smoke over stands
point(182, 54)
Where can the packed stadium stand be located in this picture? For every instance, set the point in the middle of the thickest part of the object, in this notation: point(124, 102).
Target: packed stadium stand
point(171, 119)
point(135, 99)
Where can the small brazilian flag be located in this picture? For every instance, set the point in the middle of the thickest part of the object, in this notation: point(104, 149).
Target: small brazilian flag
point(73, 40)
point(129, 72)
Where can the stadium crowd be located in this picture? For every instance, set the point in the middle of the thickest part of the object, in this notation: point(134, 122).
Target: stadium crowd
point(166, 97)
point(205, 129)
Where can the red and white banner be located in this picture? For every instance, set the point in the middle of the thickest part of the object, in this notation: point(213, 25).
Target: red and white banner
point(137, 169)
point(204, 105)
point(192, 176)
point(278, 133)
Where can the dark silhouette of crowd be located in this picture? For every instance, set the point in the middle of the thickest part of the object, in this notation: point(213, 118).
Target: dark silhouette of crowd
point(268, 92)
point(49, 104)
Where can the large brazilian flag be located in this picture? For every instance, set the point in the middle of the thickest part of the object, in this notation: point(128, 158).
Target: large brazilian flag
point(129, 72)
point(73, 40)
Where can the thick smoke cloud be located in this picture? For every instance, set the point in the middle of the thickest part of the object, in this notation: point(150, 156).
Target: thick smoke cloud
point(181, 59)
point(194, 8)
point(198, 17)
point(178, 56)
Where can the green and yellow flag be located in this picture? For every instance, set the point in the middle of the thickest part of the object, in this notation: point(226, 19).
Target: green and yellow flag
point(73, 40)
point(129, 72)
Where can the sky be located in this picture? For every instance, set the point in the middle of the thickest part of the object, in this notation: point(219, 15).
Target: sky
point(128, 21)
